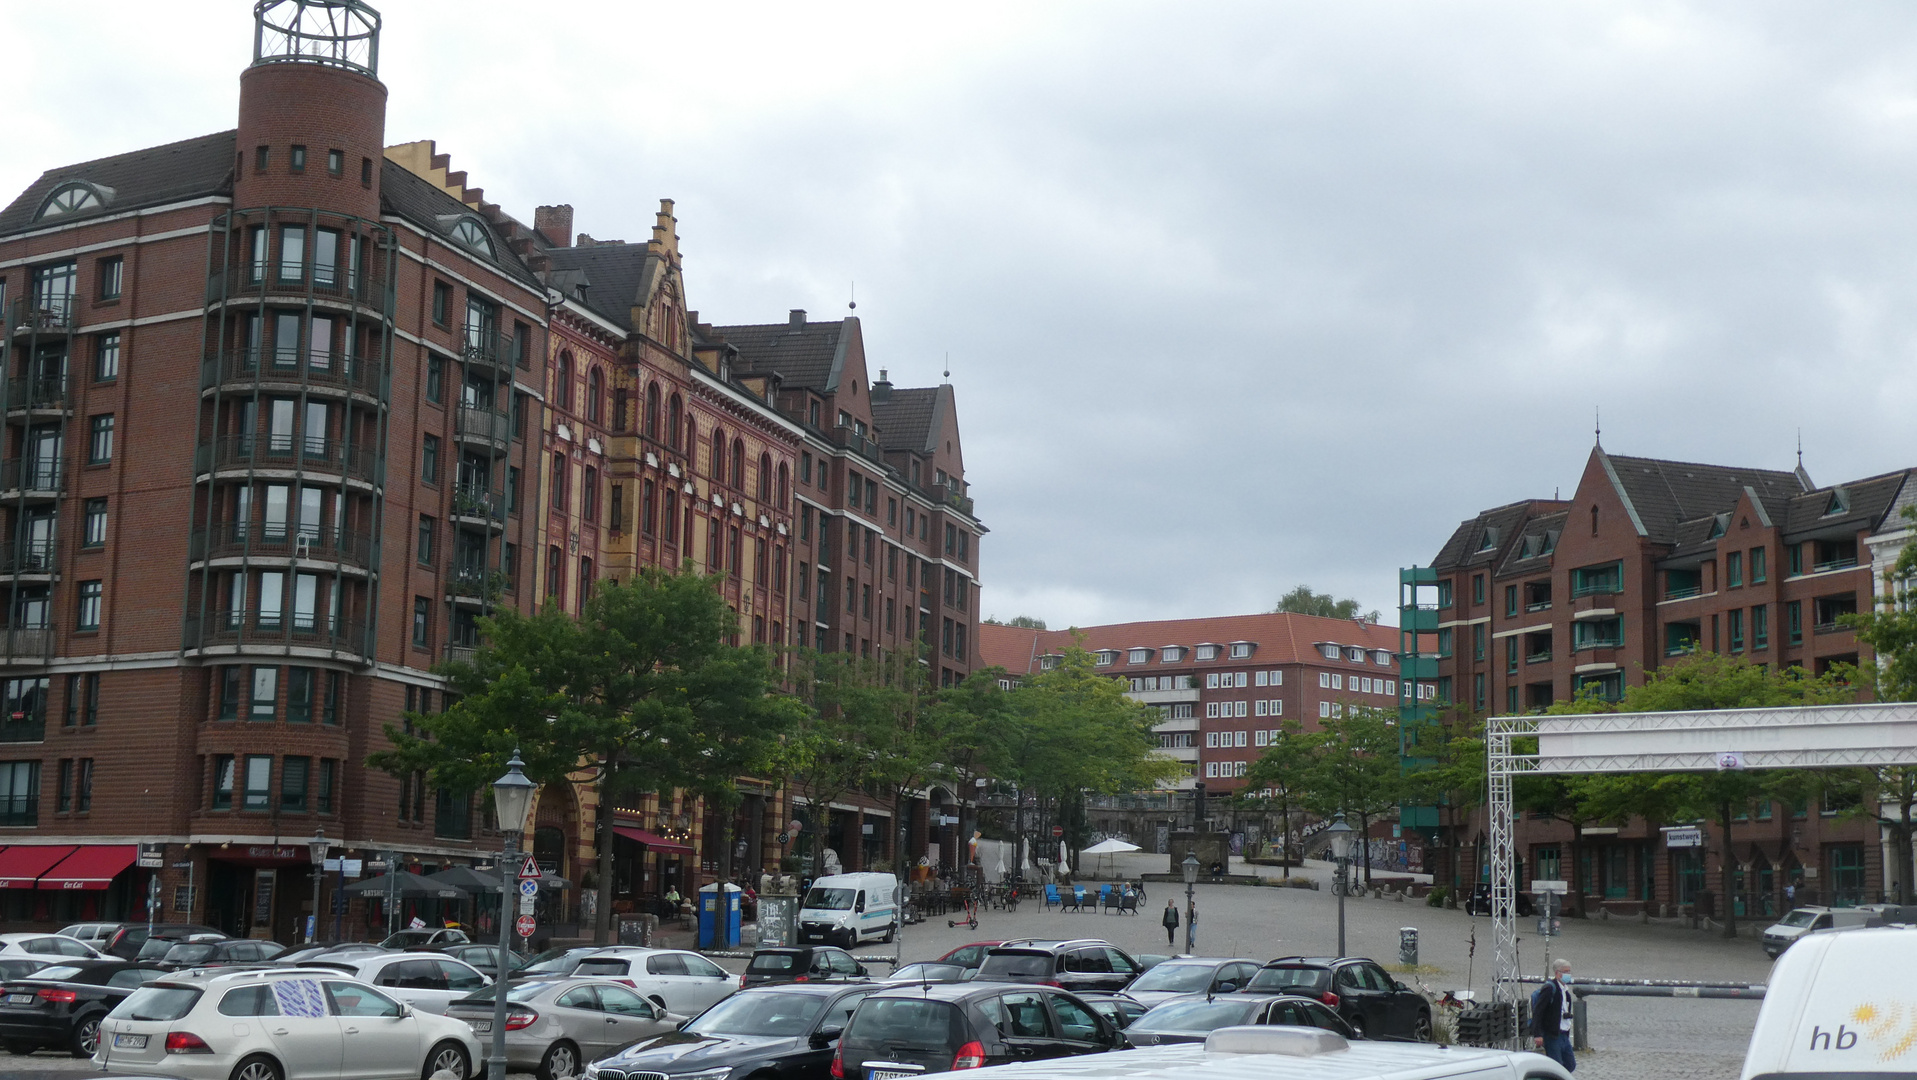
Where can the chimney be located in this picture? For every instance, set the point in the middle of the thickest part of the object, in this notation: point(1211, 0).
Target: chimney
point(881, 390)
point(554, 223)
point(796, 321)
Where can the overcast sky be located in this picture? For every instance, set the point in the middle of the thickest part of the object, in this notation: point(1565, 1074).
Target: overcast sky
point(1235, 296)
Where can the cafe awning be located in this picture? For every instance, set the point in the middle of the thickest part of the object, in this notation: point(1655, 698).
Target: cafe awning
point(92, 867)
point(22, 864)
point(653, 841)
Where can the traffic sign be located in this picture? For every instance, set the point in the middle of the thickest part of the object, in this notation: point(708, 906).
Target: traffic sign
point(526, 925)
point(1058, 831)
point(1544, 885)
point(530, 869)
point(529, 888)
point(784, 839)
point(525, 905)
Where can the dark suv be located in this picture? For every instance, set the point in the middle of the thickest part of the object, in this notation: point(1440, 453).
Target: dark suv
point(801, 963)
point(1371, 1001)
point(913, 1029)
point(1082, 964)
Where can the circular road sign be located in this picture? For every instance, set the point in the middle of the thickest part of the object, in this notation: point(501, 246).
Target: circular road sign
point(1058, 831)
point(529, 888)
point(783, 838)
point(526, 925)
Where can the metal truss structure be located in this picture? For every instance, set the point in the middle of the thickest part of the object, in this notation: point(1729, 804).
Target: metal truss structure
point(1824, 736)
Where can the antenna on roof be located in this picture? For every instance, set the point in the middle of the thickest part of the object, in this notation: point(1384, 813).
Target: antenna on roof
point(853, 303)
point(1800, 447)
point(948, 367)
point(1597, 418)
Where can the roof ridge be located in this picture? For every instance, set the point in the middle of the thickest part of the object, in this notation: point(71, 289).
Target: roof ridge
point(1702, 465)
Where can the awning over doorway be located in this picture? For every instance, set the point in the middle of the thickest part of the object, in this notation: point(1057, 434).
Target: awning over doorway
point(22, 864)
point(92, 867)
point(653, 841)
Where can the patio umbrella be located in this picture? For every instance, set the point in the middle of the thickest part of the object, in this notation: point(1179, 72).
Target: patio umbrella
point(467, 878)
point(407, 885)
point(1110, 846)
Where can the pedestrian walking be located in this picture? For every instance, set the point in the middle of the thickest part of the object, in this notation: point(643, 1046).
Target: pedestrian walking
point(1790, 894)
point(1551, 1016)
point(1170, 921)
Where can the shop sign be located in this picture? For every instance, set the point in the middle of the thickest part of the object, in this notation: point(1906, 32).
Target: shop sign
point(1688, 836)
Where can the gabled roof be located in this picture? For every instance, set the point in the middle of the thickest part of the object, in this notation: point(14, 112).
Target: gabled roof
point(908, 419)
point(611, 273)
point(425, 204)
point(1539, 537)
point(1866, 502)
point(811, 356)
point(1502, 524)
point(1661, 495)
point(1014, 648)
point(191, 168)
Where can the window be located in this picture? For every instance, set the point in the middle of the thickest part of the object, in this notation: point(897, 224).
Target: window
point(1794, 621)
point(1760, 625)
point(328, 783)
point(616, 509)
point(223, 782)
point(106, 357)
point(442, 302)
point(71, 198)
point(1734, 569)
point(94, 524)
point(299, 695)
point(293, 781)
point(1759, 572)
point(1735, 624)
point(1510, 600)
point(330, 715)
point(452, 815)
point(100, 440)
point(1597, 633)
point(556, 490)
point(470, 233)
point(1207, 652)
point(435, 378)
point(429, 459)
point(335, 162)
point(1593, 580)
point(229, 692)
point(112, 273)
point(554, 566)
point(263, 703)
point(91, 594)
point(259, 782)
point(589, 495)
point(63, 799)
point(1477, 641)
point(296, 159)
point(426, 528)
point(423, 619)
point(595, 394)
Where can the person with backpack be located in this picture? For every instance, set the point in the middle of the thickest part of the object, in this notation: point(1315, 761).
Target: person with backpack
point(1551, 1016)
point(1170, 922)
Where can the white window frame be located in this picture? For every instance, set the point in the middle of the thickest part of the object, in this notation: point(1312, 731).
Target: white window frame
point(1207, 652)
point(1242, 706)
point(1337, 681)
point(1278, 678)
point(1324, 710)
point(1244, 680)
point(1211, 680)
point(1258, 707)
point(1211, 770)
point(1240, 650)
point(1211, 710)
point(1239, 738)
point(1261, 737)
point(1324, 680)
point(1211, 740)
point(1277, 706)
point(1258, 679)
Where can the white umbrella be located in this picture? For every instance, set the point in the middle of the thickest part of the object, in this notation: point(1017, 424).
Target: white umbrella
point(1111, 846)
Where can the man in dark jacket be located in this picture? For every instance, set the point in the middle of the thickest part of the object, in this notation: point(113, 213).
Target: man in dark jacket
point(1551, 1017)
point(1170, 922)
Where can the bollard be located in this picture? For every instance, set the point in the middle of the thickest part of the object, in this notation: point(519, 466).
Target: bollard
point(1408, 946)
point(1580, 1036)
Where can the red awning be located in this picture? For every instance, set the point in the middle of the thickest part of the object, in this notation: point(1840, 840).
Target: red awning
point(92, 867)
point(653, 841)
point(22, 864)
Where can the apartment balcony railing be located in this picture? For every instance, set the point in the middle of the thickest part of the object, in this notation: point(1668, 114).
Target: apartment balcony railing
point(33, 477)
point(30, 644)
point(461, 654)
point(485, 346)
point(486, 426)
point(262, 628)
point(1683, 592)
point(296, 366)
point(29, 728)
point(480, 503)
point(267, 541)
point(1541, 605)
point(367, 288)
point(49, 315)
point(1538, 657)
point(471, 579)
point(27, 557)
point(289, 452)
point(1842, 563)
point(46, 392)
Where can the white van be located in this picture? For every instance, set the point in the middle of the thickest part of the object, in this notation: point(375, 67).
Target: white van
point(1800, 921)
point(847, 909)
point(1288, 1053)
point(1839, 1003)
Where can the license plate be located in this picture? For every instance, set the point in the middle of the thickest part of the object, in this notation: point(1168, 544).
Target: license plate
point(129, 1042)
point(873, 1072)
point(481, 1027)
point(19, 999)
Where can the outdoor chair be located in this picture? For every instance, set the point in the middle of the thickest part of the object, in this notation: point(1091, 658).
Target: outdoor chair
point(1105, 898)
point(1051, 897)
point(1128, 903)
point(1078, 895)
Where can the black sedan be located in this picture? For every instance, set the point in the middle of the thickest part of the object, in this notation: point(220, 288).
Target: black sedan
point(905, 1030)
point(61, 1006)
point(786, 1031)
point(1190, 1019)
point(1376, 1005)
point(226, 953)
point(801, 963)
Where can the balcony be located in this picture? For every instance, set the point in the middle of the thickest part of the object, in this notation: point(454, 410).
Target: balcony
point(31, 644)
point(1179, 723)
point(257, 629)
point(1418, 618)
point(32, 558)
point(476, 504)
point(233, 540)
point(1683, 592)
point(32, 478)
point(291, 370)
point(288, 454)
point(1163, 697)
point(1187, 754)
point(23, 727)
point(862, 445)
point(38, 396)
point(461, 654)
point(55, 317)
point(489, 428)
point(247, 282)
point(470, 580)
point(485, 346)
point(1538, 657)
point(1845, 562)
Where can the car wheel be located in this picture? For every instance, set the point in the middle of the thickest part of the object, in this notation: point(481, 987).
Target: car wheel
point(560, 1063)
point(258, 1067)
point(86, 1036)
point(447, 1057)
point(890, 932)
point(1421, 1031)
point(1358, 1026)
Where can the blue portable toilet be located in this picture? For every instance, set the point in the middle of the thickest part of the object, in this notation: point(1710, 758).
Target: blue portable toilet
point(719, 908)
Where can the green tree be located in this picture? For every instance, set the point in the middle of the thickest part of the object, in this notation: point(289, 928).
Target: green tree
point(642, 692)
point(1284, 770)
point(839, 745)
point(1356, 770)
point(1302, 601)
point(1452, 775)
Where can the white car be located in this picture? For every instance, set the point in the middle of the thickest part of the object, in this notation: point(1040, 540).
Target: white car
point(426, 981)
point(683, 982)
point(47, 946)
point(287, 1024)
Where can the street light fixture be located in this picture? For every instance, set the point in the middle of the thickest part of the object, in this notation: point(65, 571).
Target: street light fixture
point(318, 846)
point(1340, 835)
point(512, 797)
point(1190, 867)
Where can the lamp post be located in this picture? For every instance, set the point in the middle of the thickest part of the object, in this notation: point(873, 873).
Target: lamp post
point(512, 797)
point(318, 846)
point(1340, 835)
point(1190, 867)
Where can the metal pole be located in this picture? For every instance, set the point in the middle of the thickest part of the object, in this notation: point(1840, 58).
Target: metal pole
point(312, 932)
point(152, 900)
point(496, 1061)
point(339, 894)
point(1344, 863)
point(1191, 932)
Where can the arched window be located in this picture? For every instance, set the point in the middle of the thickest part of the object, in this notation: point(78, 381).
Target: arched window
point(785, 485)
point(652, 411)
point(738, 464)
point(71, 198)
point(692, 436)
point(718, 462)
point(473, 235)
point(558, 486)
point(562, 383)
point(555, 566)
point(765, 477)
point(672, 422)
point(585, 580)
point(595, 389)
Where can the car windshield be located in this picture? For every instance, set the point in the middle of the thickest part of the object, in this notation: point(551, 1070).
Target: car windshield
point(760, 1014)
point(556, 960)
point(189, 953)
point(1020, 964)
point(1175, 978)
point(157, 1003)
point(829, 899)
point(772, 963)
point(1290, 978)
point(1800, 917)
point(59, 973)
point(519, 992)
point(905, 1024)
point(1194, 1016)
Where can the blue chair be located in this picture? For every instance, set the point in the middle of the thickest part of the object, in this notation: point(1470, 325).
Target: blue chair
point(1051, 897)
point(1078, 894)
point(1105, 898)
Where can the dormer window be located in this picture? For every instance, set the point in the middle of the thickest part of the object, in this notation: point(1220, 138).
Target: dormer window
point(1207, 652)
point(1106, 657)
point(1354, 654)
point(1533, 547)
point(71, 198)
point(1719, 524)
point(1381, 657)
point(1329, 651)
point(1489, 540)
point(1139, 656)
point(468, 232)
point(1048, 662)
point(1242, 649)
point(1171, 654)
point(1839, 502)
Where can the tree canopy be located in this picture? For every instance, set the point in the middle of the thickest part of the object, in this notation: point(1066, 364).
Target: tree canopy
point(1302, 601)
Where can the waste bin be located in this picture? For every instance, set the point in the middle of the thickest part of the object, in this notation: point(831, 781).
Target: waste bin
point(719, 916)
point(1408, 945)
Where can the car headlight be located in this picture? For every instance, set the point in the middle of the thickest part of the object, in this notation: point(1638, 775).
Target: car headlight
point(719, 1073)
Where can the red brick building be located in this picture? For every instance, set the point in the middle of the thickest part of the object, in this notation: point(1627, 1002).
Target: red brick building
point(1647, 561)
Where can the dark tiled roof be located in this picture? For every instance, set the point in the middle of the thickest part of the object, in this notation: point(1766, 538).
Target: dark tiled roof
point(1539, 537)
point(614, 271)
point(906, 419)
point(808, 358)
point(1467, 544)
point(1868, 501)
point(431, 208)
point(1664, 494)
point(150, 177)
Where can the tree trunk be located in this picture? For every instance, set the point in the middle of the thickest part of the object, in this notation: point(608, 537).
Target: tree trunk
point(602, 911)
point(1727, 872)
point(1284, 840)
point(725, 815)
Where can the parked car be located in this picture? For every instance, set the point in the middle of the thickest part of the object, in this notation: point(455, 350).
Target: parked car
point(784, 1031)
point(1116, 1006)
point(1800, 921)
point(683, 982)
point(127, 942)
point(61, 1005)
point(327, 951)
point(555, 1026)
point(426, 981)
point(1192, 975)
point(555, 961)
point(225, 952)
point(425, 938)
point(970, 956)
point(47, 947)
point(1479, 902)
point(927, 972)
point(96, 934)
point(966, 1025)
point(19, 967)
point(1371, 1001)
point(484, 957)
point(801, 963)
point(194, 1025)
point(1191, 1019)
point(1082, 964)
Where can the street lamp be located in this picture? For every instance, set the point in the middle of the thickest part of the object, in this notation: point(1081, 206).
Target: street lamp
point(1190, 867)
point(319, 845)
point(512, 797)
point(1340, 835)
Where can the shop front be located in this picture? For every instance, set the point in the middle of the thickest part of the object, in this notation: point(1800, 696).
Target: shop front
point(259, 890)
point(51, 885)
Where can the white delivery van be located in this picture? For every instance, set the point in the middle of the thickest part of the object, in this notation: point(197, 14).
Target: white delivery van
point(846, 909)
point(1839, 1003)
point(1800, 921)
point(1288, 1053)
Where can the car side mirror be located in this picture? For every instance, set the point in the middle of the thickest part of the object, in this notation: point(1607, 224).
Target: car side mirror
point(826, 1036)
point(1398, 986)
point(405, 1010)
point(1227, 987)
point(860, 970)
